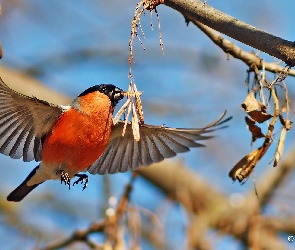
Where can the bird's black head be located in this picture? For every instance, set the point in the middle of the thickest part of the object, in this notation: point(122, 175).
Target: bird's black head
point(114, 93)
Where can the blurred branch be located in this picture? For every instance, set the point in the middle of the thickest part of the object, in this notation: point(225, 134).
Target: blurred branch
point(205, 201)
point(271, 181)
point(80, 235)
point(108, 226)
point(243, 32)
point(196, 233)
point(251, 59)
point(285, 225)
point(30, 86)
point(12, 217)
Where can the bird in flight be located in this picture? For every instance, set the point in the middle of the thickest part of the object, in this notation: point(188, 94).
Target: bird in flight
point(82, 137)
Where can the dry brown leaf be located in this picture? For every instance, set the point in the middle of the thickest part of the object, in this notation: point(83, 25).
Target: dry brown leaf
point(259, 116)
point(288, 124)
point(255, 109)
point(255, 130)
point(251, 104)
point(285, 122)
point(244, 167)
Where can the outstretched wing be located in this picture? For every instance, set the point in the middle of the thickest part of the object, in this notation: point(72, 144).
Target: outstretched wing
point(156, 143)
point(24, 122)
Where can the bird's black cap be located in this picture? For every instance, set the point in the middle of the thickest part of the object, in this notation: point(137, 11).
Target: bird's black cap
point(114, 93)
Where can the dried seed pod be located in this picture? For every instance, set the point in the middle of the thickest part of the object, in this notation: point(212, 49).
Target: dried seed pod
point(244, 167)
point(135, 125)
point(280, 147)
point(126, 120)
point(121, 111)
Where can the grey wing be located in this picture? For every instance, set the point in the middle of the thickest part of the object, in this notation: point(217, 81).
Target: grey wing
point(24, 122)
point(156, 143)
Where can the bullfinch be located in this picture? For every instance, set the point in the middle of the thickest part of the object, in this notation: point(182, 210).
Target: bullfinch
point(66, 140)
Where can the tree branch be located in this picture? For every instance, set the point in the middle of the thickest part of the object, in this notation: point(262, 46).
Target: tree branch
point(272, 180)
point(285, 225)
point(195, 10)
point(80, 235)
point(250, 59)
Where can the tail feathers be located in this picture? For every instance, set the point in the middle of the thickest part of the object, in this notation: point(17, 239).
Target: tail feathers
point(23, 189)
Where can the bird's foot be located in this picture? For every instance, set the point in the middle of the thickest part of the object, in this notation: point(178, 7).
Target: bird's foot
point(83, 178)
point(64, 177)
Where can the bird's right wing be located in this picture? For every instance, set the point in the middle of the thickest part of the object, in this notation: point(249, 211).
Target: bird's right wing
point(156, 143)
point(24, 122)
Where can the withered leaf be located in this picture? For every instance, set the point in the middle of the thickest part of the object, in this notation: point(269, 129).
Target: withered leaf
point(244, 167)
point(259, 116)
point(285, 122)
point(251, 104)
point(255, 130)
point(288, 124)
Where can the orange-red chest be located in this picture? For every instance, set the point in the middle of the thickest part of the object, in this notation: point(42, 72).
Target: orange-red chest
point(78, 138)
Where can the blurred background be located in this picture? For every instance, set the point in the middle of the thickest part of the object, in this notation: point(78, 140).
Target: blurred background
point(72, 45)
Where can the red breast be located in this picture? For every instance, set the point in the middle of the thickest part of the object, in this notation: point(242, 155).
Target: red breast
point(80, 134)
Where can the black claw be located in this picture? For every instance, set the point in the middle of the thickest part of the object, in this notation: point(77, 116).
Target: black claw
point(64, 177)
point(83, 178)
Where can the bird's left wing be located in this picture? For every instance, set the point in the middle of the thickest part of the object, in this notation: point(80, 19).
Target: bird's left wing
point(24, 122)
point(156, 143)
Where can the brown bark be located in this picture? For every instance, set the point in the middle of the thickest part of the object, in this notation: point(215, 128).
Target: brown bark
point(194, 10)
